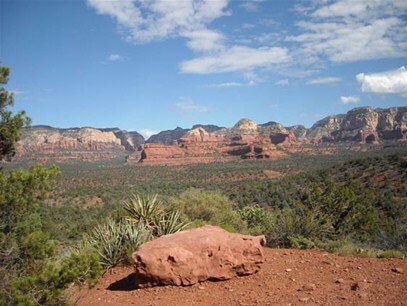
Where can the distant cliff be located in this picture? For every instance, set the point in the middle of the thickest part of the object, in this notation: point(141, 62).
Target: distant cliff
point(204, 143)
point(167, 137)
point(45, 143)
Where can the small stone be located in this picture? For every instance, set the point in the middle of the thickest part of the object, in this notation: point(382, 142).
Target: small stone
point(292, 279)
point(397, 270)
point(304, 299)
point(359, 268)
point(201, 288)
point(354, 287)
point(288, 270)
point(309, 287)
point(339, 281)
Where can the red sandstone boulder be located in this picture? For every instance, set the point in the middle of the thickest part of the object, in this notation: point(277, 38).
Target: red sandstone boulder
point(192, 256)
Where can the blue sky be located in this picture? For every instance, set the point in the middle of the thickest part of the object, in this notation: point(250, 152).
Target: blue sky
point(150, 65)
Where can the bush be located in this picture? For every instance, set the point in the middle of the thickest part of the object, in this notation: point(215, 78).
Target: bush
point(258, 220)
point(47, 288)
point(391, 254)
point(208, 207)
point(302, 243)
point(343, 247)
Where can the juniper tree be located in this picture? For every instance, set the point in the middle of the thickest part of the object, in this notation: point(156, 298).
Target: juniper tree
point(10, 124)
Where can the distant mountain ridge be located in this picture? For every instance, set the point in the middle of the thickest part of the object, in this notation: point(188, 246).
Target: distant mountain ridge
point(382, 124)
point(363, 125)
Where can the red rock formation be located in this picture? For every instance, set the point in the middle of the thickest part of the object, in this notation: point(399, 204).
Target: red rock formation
point(369, 137)
point(200, 146)
point(188, 257)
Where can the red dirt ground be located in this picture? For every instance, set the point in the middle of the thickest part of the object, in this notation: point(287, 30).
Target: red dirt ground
point(288, 277)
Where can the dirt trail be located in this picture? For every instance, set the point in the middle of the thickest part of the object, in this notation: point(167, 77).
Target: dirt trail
point(288, 277)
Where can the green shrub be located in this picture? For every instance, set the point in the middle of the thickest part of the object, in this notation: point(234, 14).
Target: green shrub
point(342, 247)
point(208, 207)
point(302, 243)
point(47, 288)
point(391, 254)
point(258, 220)
point(80, 268)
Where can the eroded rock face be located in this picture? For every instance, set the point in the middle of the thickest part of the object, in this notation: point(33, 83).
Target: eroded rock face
point(210, 143)
point(363, 124)
point(44, 144)
point(188, 257)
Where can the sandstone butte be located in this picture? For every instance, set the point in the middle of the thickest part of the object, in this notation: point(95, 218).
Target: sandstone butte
point(245, 140)
point(188, 257)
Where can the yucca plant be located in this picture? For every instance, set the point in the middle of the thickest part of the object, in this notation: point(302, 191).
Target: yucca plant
point(108, 241)
point(135, 234)
point(115, 241)
point(144, 209)
point(149, 211)
point(170, 223)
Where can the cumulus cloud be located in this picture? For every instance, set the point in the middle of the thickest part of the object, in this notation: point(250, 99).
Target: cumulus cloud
point(147, 133)
point(236, 58)
point(188, 105)
point(352, 30)
point(349, 99)
point(145, 21)
point(205, 40)
point(388, 82)
point(251, 5)
point(324, 80)
point(114, 57)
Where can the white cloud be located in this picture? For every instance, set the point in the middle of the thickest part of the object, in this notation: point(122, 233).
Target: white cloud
point(349, 99)
point(268, 22)
point(205, 40)
point(250, 6)
point(352, 30)
point(267, 38)
point(248, 26)
point(388, 82)
point(188, 105)
point(360, 8)
point(147, 133)
point(324, 80)
point(236, 58)
point(145, 21)
point(114, 57)
point(234, 84)
point(282, 82)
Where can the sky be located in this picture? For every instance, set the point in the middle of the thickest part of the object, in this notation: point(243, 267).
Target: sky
point(152, 65)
